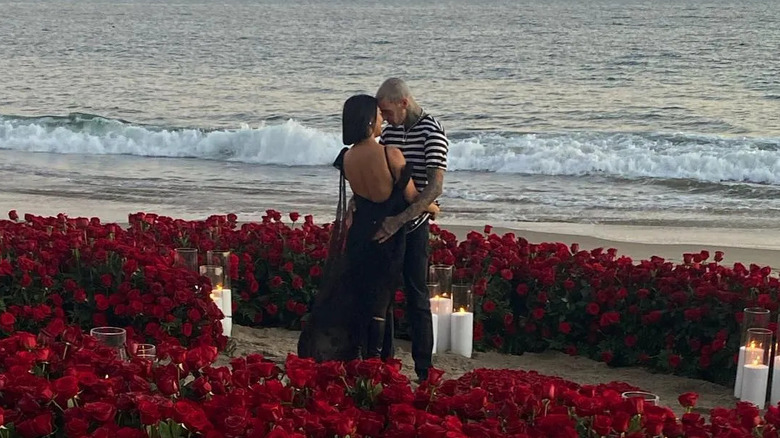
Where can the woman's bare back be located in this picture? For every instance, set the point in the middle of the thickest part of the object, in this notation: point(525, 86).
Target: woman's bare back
point(367, 169)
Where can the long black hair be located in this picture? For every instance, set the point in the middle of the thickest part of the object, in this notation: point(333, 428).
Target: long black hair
point(358, 118)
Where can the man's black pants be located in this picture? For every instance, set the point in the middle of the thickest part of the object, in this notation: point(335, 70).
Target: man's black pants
point(418, 305)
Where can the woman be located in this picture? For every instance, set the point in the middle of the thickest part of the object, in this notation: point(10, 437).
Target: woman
point(361, 274)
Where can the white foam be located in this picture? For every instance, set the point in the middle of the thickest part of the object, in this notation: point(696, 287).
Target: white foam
point(703, 158)
point(288, 143)
point(711, 159)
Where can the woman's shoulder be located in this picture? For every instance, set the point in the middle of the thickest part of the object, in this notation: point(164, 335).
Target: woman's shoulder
point(395, 157)
point(338, 163)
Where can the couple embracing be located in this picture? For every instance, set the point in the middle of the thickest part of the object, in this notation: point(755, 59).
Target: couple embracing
point(379, 241)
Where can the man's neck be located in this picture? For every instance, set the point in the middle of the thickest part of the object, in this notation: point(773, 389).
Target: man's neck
point(412, 116)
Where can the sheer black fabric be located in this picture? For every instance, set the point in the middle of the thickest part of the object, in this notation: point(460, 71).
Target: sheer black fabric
point(359, 280)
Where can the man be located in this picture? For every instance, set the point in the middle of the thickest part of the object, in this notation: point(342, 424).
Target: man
point(424, 144)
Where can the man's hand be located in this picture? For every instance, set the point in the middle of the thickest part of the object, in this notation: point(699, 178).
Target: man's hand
point(429, 194)
point(390, 226)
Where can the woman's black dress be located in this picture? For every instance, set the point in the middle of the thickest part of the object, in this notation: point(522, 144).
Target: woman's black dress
point(360, 279)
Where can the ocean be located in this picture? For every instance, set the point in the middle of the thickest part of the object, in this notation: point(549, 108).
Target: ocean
point(588, 112)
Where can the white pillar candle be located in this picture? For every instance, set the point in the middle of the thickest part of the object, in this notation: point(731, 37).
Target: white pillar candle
point(462, 333)
point(754, 382)
point(435, 321)
point(227, 309)
point(442, 307)
point(746, 355)
point(740, 364)
point(774, 397)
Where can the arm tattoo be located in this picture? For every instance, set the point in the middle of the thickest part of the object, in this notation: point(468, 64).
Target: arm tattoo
point(427, 196)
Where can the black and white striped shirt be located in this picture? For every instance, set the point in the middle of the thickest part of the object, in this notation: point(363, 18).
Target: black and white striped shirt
point(424, 145)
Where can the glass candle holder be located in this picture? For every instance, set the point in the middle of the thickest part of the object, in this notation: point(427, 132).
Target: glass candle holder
point(144, 350)
point(433, 289)
point(758, 346)
point(113, 337)
point(186, 258)
point(220, 258)
point(215, 274)
point(753, 317)
point(755, 369)
point(441, 274)
point(648, 397)
point(462, 298)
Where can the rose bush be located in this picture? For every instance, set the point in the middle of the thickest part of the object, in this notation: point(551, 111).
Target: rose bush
point(70, 386)
point(680, 318)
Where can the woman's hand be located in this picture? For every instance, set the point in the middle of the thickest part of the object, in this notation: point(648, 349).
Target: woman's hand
point(434, 210)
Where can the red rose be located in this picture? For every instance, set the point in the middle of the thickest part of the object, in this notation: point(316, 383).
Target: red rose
point(276, 281)
point(100, 411)
point(630, 341)
point(489, 306)
point(297, 283)
point(190, 414)
point(106, 280)
point(77, 427)
point(592, 309)
point(488, 229)
point(66, 387)
point(621, 421)
point(7, 320)
point(674, 360)
point(564, 328)
point(537, 313)
point(13, 215)
point(36, 427)
point(27, 341)
point(150, 414)
point(688, 400)
point(101, 302)
point(607, 356)
point(294, 216)
point(602, 424)
point(506, 274)
point(522, 289)
point(315, 271)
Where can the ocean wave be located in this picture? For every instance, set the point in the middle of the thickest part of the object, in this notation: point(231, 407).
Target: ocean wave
point(705, 158)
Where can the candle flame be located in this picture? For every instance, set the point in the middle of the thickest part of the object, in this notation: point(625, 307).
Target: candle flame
point(755, 361)
point(752, 344)
point(462, 310)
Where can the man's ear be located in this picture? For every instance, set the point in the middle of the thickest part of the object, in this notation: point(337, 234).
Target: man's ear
point(405, 103)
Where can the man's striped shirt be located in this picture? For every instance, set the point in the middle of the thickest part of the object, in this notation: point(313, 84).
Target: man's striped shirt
point(424, 145)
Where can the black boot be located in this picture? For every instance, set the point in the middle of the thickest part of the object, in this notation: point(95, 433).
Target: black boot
point(376, 336)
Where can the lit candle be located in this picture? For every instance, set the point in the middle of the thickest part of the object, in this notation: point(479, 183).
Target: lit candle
point(754, 382)
point(442, 307)
point(746, 355)
point(462, 332)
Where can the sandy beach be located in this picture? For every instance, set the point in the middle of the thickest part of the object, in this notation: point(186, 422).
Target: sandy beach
point(276, 344)
point(746, 246)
